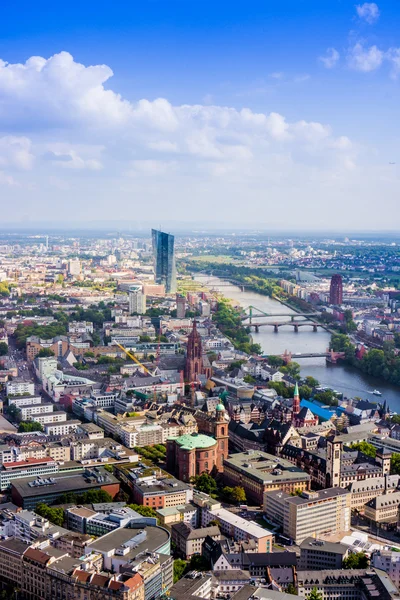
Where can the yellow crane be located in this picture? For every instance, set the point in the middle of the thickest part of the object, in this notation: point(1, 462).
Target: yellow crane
point(133, 357)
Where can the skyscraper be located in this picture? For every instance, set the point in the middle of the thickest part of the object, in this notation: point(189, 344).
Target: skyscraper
point(336, 290)
point(164, 259)
point(180, 306)
point(137, 300)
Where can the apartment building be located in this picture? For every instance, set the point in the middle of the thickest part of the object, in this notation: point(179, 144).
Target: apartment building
point(30, 411)
point(21, 401)
point(20, 387)
point(140, 435)
point(44, 418)
point(388, 561)
point(311, 514)
point(61, 427)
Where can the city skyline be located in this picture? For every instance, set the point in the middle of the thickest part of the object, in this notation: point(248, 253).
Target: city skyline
point(275, 115)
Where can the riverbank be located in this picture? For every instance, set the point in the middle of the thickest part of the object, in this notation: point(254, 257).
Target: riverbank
point(348, 380)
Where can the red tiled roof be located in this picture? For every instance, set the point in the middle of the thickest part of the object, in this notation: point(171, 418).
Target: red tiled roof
point(100, 580)
point(134, 582)
point(37, 555)
point(115, 585)
point(82, 576)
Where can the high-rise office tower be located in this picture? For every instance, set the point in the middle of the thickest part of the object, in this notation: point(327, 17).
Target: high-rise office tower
point(164, 259)
point(74, 267)
point(336, 290)
point(137, 300)
point(180, 306)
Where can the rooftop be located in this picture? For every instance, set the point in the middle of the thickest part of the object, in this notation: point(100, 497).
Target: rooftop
point(194, 441)
point(264, 467)
point(62, 483)
point(154, 538)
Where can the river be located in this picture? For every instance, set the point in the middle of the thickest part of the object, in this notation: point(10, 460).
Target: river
point(347, 380)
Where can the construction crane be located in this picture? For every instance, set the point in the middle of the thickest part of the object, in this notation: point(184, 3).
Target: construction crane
point(133, 357)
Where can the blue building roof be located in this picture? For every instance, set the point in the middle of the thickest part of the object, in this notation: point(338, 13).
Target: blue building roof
point(323, 413)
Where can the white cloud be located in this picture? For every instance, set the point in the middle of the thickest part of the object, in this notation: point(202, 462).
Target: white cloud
point(163, 146)
point(277, 75)
point(393, 56)
point(331, 58)
point(15, 152)
point(71, 160)
point(365, 59)
point(151, 167)
point(7, 180)
point(368, 12)
point(76, 127)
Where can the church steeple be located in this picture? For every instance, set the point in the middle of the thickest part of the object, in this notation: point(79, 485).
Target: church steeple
point(296, 400)
point(194, 355)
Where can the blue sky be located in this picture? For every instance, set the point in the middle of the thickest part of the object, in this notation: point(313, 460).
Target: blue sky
point(258, 113)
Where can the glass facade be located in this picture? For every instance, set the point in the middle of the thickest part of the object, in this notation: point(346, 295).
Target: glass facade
point(164, 259)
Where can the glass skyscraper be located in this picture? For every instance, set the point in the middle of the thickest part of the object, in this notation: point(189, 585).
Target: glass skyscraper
point(164, 259)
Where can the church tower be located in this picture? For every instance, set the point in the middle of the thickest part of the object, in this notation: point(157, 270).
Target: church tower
point(221, 435)
point(296, 402)
point(333, 461)
point(194, 355)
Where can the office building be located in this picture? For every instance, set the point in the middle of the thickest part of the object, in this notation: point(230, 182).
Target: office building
point(31, 491)
point(137, 300)
point(180, 306)
point(190, 541)
point(354, 584)
point(164, 260)
point(74, 267)
point(311, 514)
point(319, 554)
point(258, 472)
point(163, 492)
point(336, 290)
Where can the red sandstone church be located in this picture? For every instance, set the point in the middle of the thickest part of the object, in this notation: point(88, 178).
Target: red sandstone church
point(196, 362)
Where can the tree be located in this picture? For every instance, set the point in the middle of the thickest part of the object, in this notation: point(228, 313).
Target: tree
point(3, 349)
point(305, 392)
point(204, 483)
point(356, 560)
point(276, 361)
point(291, 589)
point(180, 567)
point(314, 595)
point(311, 381)
point(292, 369)
point(249, 379)
point(45, 352)
point(395, 464)
point(365, 448)
point(28, 426)
point(199, 563)
point(145, 511)
point(14, 412)
point(54, 515)
point(227, 492)
point(238, 494)
point(109, 468)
